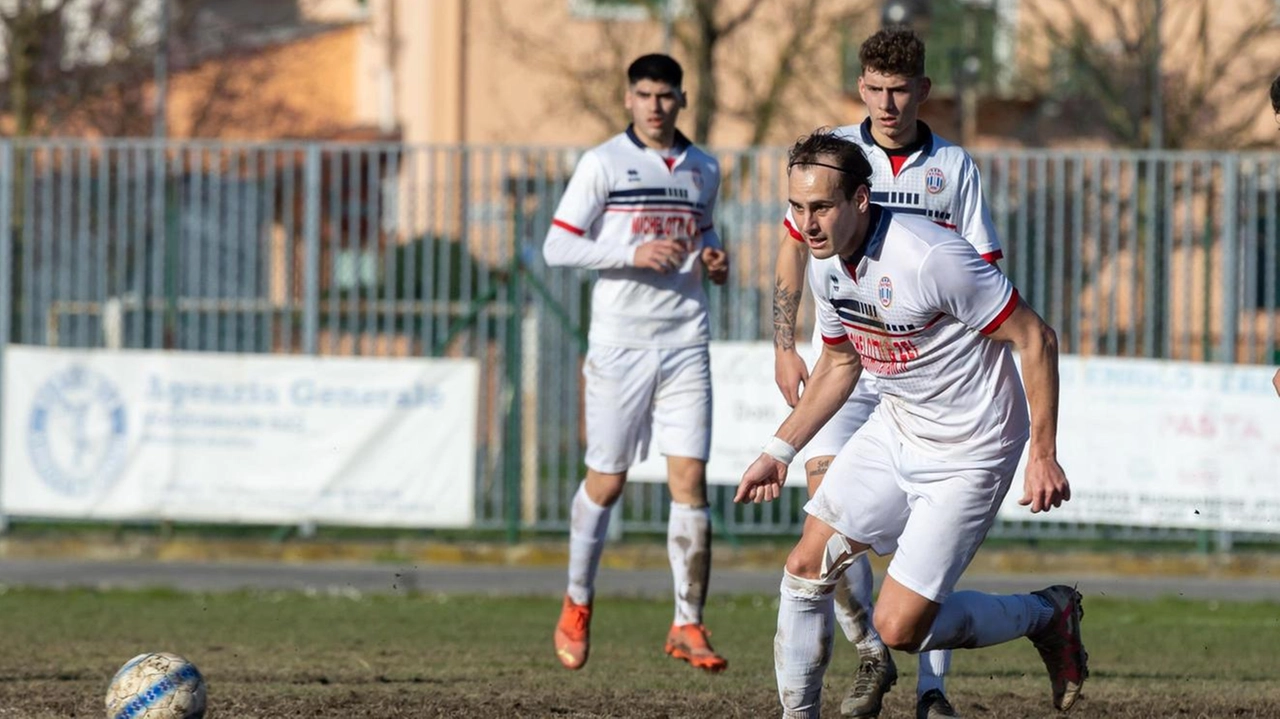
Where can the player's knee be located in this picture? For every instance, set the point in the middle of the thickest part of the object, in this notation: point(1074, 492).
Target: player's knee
point(898, 632)
point(804, 563)
point(605, 489)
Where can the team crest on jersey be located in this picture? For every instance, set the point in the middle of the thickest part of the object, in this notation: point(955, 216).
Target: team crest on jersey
point(885, 291)
point(696, 175)
point(934, 180)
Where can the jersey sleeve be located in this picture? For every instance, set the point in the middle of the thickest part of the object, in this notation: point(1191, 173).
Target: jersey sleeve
point(974, 217)
point(958, 282)
point(570, 241)
point(789, 222)
point(710, 192)
point(828, 323)
point(584, 199)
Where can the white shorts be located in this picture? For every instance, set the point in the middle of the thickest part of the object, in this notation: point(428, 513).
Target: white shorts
point(851, 416)
point(631, 393)
point(932, 514)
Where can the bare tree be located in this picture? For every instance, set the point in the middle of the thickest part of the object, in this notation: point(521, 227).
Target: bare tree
point(87, 65)
point(1102, 53)
point(733, 75)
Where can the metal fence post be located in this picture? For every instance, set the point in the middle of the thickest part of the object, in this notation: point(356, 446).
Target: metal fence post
point(311, 252)
point(6, 276)
point(1231, 280)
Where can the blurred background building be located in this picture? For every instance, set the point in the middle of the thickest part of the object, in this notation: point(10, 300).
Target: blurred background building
point(1051, 73)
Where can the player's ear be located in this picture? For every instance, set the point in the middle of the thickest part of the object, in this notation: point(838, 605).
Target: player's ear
point(925, 86)
point(862, 198)
point(684, 98)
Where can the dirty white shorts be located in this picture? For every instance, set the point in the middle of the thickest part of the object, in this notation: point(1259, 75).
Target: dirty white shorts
point(635, 396)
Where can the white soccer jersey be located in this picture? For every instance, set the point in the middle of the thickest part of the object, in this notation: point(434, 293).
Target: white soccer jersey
point(622, 195)
point(917, 304)
point(939, 181)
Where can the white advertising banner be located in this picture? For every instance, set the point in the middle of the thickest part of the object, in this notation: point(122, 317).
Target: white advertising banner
point(746, 410)
point(248, 438)
point(1166, 444)
point(1144, 442)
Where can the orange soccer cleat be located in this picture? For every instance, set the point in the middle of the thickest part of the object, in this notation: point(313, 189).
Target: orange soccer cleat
point(573, 634)
point(689, 642)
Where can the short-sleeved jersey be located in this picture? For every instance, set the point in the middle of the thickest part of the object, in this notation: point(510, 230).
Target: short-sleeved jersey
point(917, 303)
point(939, 181)
point(626, 194)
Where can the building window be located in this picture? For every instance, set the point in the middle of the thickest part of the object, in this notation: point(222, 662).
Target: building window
point(634, 10)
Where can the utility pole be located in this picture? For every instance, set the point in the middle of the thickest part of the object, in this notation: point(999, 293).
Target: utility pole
point(667, 20)
point(1157, 86)
point(159, 126)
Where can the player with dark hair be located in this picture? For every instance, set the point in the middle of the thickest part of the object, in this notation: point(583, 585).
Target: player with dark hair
point(639, 210)
point(913, 171)
point(923, 478)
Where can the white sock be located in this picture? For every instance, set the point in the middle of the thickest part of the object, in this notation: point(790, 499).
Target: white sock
point(969, 620)
point(588, 523)
point(802, 646)
point(854, 608)
point(934, 666)
point(689, 549)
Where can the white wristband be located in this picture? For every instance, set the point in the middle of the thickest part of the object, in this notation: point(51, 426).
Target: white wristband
point(779, 450)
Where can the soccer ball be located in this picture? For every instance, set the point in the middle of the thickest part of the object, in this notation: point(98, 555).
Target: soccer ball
point(157, 685)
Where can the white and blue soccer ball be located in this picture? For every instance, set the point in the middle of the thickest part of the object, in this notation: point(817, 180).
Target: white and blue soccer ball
point(157, 685)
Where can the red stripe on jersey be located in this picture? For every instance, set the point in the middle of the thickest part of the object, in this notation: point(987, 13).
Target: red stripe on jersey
point(993, 257)
point(792, 231)
point(947, 225)
point(835, 340)
point(897, 161)
point(566, 226)
point(994, 325)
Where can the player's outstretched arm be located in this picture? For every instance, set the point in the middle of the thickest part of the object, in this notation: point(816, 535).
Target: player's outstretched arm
point(789, 370)
point(1045, 484)
point(834, 376)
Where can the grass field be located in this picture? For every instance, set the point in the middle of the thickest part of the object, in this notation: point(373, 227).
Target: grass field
point(293, 655)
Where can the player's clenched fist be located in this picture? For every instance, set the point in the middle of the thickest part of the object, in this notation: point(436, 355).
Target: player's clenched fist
point(717, 263)
point(661, 255)
point(1045, 485)
point(762, 481)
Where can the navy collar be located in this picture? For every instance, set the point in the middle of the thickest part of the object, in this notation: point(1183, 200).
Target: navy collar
point(679, 146)
point(924, 136)
point(877, 229)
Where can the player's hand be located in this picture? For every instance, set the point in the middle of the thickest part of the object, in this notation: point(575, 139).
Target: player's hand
point(717, 264)
point(1045, 485)
point(789, 373)
point(762, 481)
point(661, 255)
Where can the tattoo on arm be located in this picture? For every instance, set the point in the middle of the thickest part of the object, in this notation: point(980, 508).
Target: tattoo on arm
point(820, 469)
point(786, 304)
